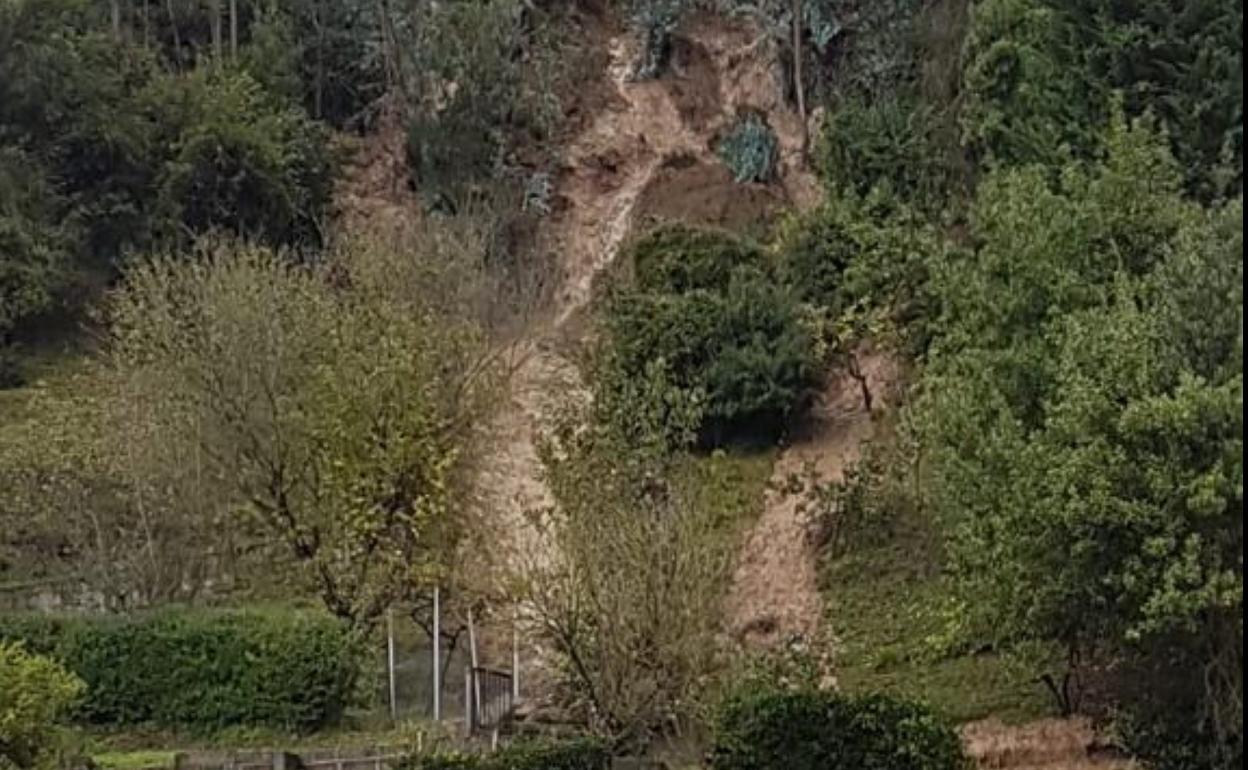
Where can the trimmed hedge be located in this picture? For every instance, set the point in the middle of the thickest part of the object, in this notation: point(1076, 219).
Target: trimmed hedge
point(830, 731)
point(576, 754)
point(201, 671)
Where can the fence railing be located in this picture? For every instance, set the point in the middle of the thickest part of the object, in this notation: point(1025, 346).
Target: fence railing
point(490, 698)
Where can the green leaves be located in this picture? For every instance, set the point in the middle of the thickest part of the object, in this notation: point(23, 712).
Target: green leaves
point(710, 309)
point(570, 754)
point(810, 730)
point(332, 402)
point(750, 150)
point(35, 693)
point(201, 670)
point(1082, 412)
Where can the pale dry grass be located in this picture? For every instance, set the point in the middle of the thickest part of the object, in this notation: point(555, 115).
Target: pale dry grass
point(1047, 744)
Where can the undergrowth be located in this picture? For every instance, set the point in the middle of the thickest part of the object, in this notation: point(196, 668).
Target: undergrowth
point(890, 608)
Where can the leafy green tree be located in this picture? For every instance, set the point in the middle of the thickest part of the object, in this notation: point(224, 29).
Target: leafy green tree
point(34, 250)
point(333, 402)
point(34, 693)
point(1027, 98)
point(1039, 74)
point(1083, 425)
point(67, 99)
point(239, 161)
point(476, 77)
point(711, 309)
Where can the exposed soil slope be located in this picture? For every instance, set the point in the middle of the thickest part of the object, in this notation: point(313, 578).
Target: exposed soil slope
point(1049, 744)
point(775, 592)
point(616, 159)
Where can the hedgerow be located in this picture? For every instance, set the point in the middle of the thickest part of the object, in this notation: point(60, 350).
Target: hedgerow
point(812, 730)
point(201, 670)
point(574, 754)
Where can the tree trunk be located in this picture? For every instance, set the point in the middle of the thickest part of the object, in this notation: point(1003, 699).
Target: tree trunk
point(318, 88)
point(234, 30)
point(799, 85)
point(855, 370)
point(216, 33)
point(115, 17)
point(177, 39)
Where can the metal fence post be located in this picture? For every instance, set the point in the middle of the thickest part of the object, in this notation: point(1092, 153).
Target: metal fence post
point(437, 655)
point(394, 701)
point(469, 706)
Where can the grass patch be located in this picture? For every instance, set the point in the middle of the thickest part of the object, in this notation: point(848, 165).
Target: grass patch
point(729, 483)
point(130, 749)
point(51, 367)
point(133, 760)
point(888, 605)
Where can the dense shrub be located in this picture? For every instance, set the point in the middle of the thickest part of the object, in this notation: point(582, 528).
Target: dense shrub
point(239, 160)
point(750, 150)
point(1039, 73)
point(575, 754)
point(33, 245)
point(810, 730)
point(862, 262)
point(481, 86)
point(712, 310)
point(891, 143)
point(34, 693)
point(201, 670)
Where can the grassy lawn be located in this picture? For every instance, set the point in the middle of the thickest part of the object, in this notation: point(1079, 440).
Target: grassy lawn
point(888, 605)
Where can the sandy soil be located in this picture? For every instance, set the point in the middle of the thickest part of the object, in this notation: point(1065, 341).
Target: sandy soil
point(1048, 744)
point(775, 592)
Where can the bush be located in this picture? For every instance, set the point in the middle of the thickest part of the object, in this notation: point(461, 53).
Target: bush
point(34, 693)
point(811, 730)
point(202, 670)
point(854, 258)
point(750, 150)
point(485, 87)
point(240, 161)
point(890, 143)
point(576, 754)
point(33, 245)
point(711, 308)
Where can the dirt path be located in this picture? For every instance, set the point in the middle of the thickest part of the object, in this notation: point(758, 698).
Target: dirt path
point(775, 591)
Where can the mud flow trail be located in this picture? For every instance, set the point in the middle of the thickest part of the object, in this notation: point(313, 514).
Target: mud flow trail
point(775, 591)
point(607, 170)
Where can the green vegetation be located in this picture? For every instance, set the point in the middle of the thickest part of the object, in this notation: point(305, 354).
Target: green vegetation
point(750, 150)
point(133, 760)
point(709, 309)
point(811, 730)
point(352, 423)
point(629, 591)
point(571, 754)
point(472, 100)
point(106, 152)
point(201, 671)
point(1035, 206)
point(892, 145)
point(1099, 503)
point(1040, 72)
point(34, 694)
point(893, 610)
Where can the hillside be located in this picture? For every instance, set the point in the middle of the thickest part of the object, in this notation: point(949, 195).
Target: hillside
point(776, 383)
